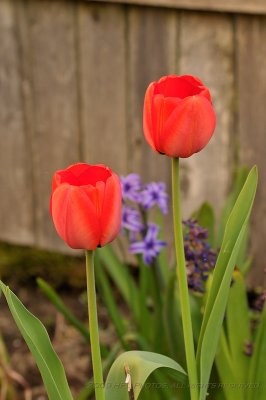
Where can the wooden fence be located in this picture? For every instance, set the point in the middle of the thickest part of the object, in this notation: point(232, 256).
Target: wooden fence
point(72, 80)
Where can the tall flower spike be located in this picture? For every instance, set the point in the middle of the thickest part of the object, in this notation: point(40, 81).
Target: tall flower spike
point(200, 257)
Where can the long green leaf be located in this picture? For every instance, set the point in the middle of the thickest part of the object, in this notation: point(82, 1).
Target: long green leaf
point(238, 182)
point(238, 326)
point(218, 295)
point(140, 365)
point(38, 341)
point(122, 278)
point(172, 321)
point(257, 373)
point(224, 365)
point(145, 316)
point(106, 292)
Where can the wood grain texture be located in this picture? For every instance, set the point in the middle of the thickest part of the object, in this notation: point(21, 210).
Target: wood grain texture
point(251, 73)
point(236, 6)
point(16, 217)
point(51, 30)
point(152, 53)
point(72, 82)
point(102, 74)
point(206, 50)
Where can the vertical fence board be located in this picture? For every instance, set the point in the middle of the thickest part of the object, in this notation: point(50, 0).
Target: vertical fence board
point(251, 73)
point(152, 51)
point(102, 84)
point(16, 222)
point(206, 50)
point(54, 91)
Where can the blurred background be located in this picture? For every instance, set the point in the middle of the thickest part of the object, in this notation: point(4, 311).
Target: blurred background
point(72, 80)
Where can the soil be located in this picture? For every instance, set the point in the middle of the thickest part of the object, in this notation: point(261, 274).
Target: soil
point(73, 350)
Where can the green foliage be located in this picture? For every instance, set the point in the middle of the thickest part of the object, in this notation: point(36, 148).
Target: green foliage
point(37, 339)
point(257, 372)
point(151, 300)
point(206, 219)
point(218, 295)
point(139, 365)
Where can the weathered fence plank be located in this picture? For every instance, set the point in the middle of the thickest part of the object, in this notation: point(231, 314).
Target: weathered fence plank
point(152, 53)
point(102, 74)
point(251, 80)
point(207, 52)
point(16, 216)
point(54, 92)
point(238, 6)
point(72, 82)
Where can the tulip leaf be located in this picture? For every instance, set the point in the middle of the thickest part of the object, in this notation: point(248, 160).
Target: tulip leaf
point(102, 282)
point(224, 365)
point(122, 278)
point(140, 365)
point(257, 373)
point(238, 326)
point(219, 290)
point(37, 339)
point(238, 182)
point(172, 320)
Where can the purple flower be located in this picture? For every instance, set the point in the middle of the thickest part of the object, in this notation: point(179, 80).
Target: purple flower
point(257, 299)
point(131, 187)
point(154, 194)
point(131, 219)
point(200, 257)
point(150, 246)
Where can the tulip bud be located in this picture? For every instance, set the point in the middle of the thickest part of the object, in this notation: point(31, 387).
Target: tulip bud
point(178, 118)
point(86, 205)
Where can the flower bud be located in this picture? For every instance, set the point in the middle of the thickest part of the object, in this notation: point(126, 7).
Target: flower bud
point(178, 118)
point(86, 205)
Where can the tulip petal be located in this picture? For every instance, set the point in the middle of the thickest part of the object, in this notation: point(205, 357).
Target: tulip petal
point(147, 116)
point(74, 217)
point(111, 211)
point(162, 108)
point(81, 174)
point(69, 175)
point(189, 128)
point(178, 86)
point(196, 81)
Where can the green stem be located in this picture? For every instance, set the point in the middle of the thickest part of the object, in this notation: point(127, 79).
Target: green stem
point(93, 327)
point(182, 280)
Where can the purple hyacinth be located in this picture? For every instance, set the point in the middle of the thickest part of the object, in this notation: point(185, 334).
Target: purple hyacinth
point(131, 219)
point(256, 299)
point(150, 246)
point(131, 186)
point(200, 257)
point(154, 194)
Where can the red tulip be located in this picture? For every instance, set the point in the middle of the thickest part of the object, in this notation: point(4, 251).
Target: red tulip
point(179, 118)
point(86, 205)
